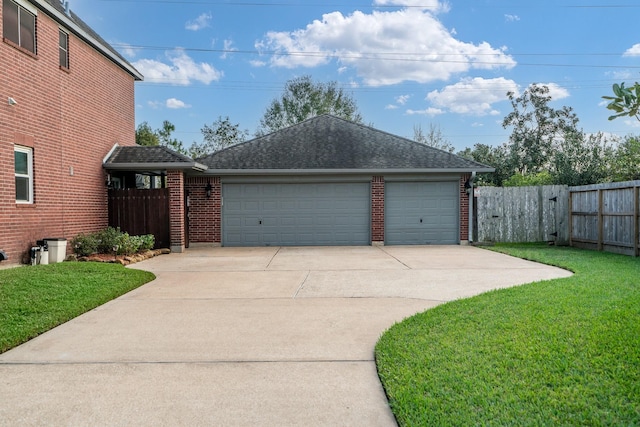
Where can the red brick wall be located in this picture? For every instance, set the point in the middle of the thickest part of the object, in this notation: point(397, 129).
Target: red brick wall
point(205, 215)
point(175, 183)
point(71, 119)
point(377, 209)
point(464, 209)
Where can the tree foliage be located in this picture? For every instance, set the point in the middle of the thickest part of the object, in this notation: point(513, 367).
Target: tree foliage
point(146, 136)
point(625, 102)
point(433, 138)
point(303, 99)
point(626, 162)
point(221, 134)
point(495, 157)
point(536, 129)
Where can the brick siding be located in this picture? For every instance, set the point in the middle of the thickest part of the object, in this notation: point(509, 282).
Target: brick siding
point(464, 209)
point(71, 119)
point(205, 214)
point(377, 209)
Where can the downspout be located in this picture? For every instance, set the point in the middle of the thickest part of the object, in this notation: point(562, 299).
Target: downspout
point(471, 180)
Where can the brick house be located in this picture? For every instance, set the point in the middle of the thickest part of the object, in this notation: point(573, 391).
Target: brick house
point(325, 181)
point(66, 99)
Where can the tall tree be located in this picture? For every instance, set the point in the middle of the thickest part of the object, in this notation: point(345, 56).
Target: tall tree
point(496, 157)
point(221, 134)
point(581, 159)
point(166, 140)
point(146, 136)
point(433, 138)
point(303, 99)
point(625, 102)
point(536, 128)
point(626, 162)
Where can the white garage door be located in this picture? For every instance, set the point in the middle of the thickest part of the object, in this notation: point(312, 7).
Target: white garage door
point(296, 214)
point(421, 213)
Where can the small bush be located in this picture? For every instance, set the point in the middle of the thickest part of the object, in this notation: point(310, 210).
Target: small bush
point(85, 244)
point(148, 241)
point(109, 240)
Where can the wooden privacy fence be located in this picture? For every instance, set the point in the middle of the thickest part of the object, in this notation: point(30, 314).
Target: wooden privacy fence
point(521, 214)
point(605, 217)
point(141, 212)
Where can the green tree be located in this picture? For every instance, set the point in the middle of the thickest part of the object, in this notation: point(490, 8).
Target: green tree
point(303, 99)
point(626, 162)
point(433, 138)
point(221, 134)
point(166, 140)
point(536, 129)
point(496, 157)
point(146, 136)
point(581, 159)
point(625, 102)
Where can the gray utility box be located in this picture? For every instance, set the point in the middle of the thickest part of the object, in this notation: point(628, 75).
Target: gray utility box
point(57, 249)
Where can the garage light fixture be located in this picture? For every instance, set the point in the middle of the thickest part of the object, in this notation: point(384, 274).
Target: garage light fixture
point(207, 190)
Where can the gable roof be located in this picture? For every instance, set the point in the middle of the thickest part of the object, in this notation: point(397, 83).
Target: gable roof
point(72, 22)
point(326, 144)
point(141, 158)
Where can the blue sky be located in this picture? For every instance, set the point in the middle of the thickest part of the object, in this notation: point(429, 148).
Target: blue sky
point(405, 62)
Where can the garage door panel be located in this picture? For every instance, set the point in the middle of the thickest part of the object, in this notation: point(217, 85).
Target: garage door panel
point(421, 213)
point(297, 214)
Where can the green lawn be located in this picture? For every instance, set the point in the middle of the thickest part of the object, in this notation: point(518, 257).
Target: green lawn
point(558, 352)
point(37, 298)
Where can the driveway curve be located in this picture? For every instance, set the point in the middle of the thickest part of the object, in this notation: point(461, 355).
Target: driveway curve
point(244, 337)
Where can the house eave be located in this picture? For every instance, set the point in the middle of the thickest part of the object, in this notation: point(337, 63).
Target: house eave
point(197, 167)
point(69, 24)
point(226, 172)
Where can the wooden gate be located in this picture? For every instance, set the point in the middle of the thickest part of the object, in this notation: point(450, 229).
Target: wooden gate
point(141, 212)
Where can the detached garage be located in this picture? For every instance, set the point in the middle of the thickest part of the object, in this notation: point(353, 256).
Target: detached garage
point(328, 181)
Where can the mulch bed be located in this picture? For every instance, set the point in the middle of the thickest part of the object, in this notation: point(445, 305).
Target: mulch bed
point(120, 259)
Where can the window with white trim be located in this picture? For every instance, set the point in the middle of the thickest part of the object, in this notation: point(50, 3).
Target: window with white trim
point(63, 48)
point(23, 167)
point(19, 24)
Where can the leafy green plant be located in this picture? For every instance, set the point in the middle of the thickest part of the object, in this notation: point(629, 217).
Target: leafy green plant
point(626, 101)
point(148, 241)
point(85, 244)
point(108, 238)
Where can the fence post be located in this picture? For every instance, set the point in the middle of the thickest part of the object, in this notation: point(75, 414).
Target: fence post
point(600, 221)
point(636, 226)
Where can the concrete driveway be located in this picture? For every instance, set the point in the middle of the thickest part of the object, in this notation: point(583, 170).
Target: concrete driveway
point(244, 337)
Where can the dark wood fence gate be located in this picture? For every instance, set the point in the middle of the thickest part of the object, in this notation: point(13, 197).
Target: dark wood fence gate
point(141, 212)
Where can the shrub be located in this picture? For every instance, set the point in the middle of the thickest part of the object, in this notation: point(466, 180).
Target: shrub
point(104, 242)
point(85, 244)
point(148, 241)
point(108, 238)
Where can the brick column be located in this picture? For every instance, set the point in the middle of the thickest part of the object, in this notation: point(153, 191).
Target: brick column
point(464, 211)
point(377, 210)
point(175, 183)
point(205, 214)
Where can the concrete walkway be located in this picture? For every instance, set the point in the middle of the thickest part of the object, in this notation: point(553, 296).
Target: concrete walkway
point(244, 337)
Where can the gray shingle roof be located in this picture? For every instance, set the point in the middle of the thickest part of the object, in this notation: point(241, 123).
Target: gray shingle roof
point(329, 143)
point(140, 157)
point(72, 22)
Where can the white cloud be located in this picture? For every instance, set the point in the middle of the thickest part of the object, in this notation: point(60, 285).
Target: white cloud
point(633, 50)
point(473, 96)
point(176, 104)
point(201, 22)
point(257, 63)
point(154, 104)
point(556, 92)
point(391, 107)
point(431, 112)
point(384, 48)
point(227, 48)
point(181, 70)
point(126, 49)
point(402, 99)
point(511, 18)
